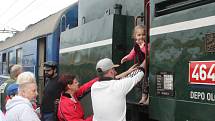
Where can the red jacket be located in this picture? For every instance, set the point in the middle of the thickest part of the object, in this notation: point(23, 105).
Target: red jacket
point(70, 110)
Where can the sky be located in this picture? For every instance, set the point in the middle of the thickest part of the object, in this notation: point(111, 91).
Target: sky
point(15, 15)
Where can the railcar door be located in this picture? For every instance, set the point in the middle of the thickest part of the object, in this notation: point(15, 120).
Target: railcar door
point(41, 60)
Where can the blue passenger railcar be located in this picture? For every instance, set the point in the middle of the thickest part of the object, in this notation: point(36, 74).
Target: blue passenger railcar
point(38, 43)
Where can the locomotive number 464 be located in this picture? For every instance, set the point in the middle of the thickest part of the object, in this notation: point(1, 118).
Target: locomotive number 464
point(202, 72)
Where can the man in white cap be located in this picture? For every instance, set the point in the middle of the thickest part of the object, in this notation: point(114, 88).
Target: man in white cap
point(109, 94)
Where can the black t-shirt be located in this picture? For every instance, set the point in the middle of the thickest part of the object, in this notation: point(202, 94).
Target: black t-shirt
point(52, 91)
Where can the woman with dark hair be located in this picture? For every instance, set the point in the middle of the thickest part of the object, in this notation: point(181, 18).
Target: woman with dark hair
point(69, 108)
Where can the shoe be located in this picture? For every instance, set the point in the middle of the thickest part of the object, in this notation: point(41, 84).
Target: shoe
point(144, 100)
point(147, 101)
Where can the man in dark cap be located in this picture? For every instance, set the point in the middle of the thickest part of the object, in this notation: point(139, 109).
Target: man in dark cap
point(50, 68)
point(52, 92)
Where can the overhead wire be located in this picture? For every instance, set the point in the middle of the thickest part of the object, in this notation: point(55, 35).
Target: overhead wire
point(7, 9)
point(12, 18)
point(16, 14)
point(11, 29)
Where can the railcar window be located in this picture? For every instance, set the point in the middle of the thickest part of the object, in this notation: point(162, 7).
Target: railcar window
point(19, 56)
point(1, 63)
point(4, 57)
point(170, 6)
point(10, 58)
point(4, 63)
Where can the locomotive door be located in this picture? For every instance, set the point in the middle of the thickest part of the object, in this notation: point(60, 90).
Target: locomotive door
point(41, 60)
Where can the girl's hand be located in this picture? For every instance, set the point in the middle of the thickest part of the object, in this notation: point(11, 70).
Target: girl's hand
point(123, 60)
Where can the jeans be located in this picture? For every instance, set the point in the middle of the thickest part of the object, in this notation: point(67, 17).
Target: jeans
point(48, 116)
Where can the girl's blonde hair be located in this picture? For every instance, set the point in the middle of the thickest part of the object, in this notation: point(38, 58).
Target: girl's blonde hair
point(137, 28)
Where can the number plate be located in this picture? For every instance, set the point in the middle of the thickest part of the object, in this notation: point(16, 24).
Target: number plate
point(202, 72)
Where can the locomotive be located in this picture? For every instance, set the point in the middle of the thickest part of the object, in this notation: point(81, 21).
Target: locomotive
point(181, 72)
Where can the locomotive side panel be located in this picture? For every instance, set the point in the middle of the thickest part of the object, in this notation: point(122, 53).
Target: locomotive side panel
point(83, 46)
point(179, 38)
point(108, 7)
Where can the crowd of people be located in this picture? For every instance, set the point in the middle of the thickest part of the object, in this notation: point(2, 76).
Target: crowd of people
point(60, 101)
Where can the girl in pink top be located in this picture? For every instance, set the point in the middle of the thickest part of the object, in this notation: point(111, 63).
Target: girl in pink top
point(139, 50)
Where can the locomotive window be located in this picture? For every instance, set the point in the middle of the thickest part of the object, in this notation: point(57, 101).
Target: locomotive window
point(19, 56)
point(170, 6)
point(63, 23)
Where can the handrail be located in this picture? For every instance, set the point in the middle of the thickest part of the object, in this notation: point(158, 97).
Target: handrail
point(147, 26)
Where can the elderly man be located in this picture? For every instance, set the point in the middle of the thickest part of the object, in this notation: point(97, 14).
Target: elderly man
point(109, 94)
point(14, 71)
point(2, 117)
point(19, 108)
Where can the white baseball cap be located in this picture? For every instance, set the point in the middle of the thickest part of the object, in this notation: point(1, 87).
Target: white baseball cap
point(105, 64)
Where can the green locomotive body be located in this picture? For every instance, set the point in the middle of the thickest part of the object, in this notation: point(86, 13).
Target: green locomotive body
point(181, 65)
point(182, 60)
